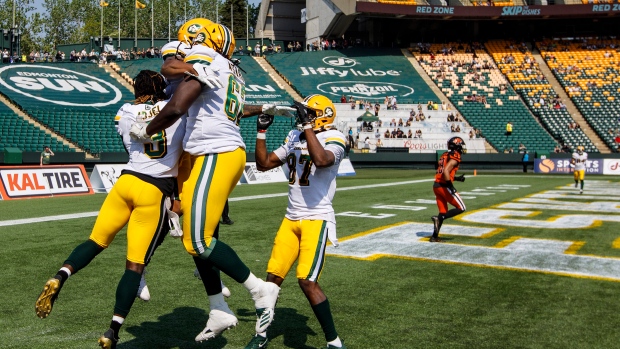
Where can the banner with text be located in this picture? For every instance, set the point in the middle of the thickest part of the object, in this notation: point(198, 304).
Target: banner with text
point(594, 166)
point(20, 182)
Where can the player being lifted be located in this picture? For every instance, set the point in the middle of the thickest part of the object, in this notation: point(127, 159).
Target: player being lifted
point(312, 156)
point(139, 199)
point(444, 189)
point(579, 162)
point(214, 100)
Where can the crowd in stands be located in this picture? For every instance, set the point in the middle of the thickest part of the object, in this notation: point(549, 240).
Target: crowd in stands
point(81, 55)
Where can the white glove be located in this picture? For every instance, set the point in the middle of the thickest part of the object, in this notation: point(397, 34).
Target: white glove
point(331, 233)
point(137, 132)
point(206, 75)
point(278, 110)
point(173, 221)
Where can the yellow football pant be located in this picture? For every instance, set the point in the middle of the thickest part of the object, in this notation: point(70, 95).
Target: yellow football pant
point(579, 175)
point(212, 179)
point(139, 204)
point(304, 240)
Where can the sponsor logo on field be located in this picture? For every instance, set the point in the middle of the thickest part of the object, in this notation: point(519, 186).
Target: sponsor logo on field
point(59, 86)
point(336, 61)
point(360, 89)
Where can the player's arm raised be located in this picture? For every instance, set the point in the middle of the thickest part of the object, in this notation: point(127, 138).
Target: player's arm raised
point(320, 157)
point(175, 68)
point(264, 161)
point(189, 89)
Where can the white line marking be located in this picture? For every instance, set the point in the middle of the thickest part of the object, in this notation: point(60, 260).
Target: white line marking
point(241, 198)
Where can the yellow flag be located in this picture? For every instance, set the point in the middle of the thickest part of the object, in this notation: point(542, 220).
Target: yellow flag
point(103, 4)
point(140, 5)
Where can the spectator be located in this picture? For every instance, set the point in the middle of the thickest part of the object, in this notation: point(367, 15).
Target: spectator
point(343, 99)
point(257, 50)
point(508, 128)
point(379, 144)
point(377, 107)
point(46, 154)
point(526, 159)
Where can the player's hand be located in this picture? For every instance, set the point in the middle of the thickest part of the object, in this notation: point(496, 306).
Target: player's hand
point(278, 110)
point(460, 178)
point(302, 113)
point(206, 75)
point(451, 190)
point(263, 122)
point(137, 132)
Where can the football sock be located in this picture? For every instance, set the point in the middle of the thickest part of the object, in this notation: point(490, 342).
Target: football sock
point(451, 213)
point(581, 185)
point(209, 275)
point(116, 324)
point(227, 260)
point(62, 275)
point(324, 315)
point(576, 182)
point(217, 301)
point(251, 282)
point(126, 292)
point(83, 254)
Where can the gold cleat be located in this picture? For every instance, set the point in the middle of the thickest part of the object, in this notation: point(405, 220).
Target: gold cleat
point(46, 299)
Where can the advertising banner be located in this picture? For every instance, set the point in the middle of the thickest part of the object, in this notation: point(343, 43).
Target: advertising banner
point(251, 175)
point(594, 166)
point(346, 168)
point(20, 182)
point(611, 167)
point(103, 177)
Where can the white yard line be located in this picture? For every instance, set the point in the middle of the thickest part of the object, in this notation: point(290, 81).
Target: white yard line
point(241, 198)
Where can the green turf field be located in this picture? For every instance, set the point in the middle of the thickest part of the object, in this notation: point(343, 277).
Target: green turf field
point(531, 264)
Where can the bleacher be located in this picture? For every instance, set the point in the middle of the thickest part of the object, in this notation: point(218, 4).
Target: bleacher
point(436, 131)
point(365, 74)
point(591, 79)
point(129, 69)
point(502, 105)
point(16, 132)
point(78, 101)
point(518, 65)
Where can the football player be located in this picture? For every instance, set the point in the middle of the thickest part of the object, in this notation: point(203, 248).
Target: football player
point(139, 199)
point(213, 99)
point(443, 188)
point(312, 155)
point(578, 161)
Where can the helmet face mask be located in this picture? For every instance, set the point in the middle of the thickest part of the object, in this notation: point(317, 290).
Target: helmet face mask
point(321, 111)
point(457, 144)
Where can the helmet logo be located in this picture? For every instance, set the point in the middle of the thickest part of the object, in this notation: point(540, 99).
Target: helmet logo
point(194, 28)
point(329, 112)
point(200, 38)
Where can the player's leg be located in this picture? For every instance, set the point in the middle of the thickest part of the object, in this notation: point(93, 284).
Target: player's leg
point(211, 181)
point(113, 216)
point(148, 225)
point(582, 174)
point(442, 205)
point(459, 206)
point(576, 177)
point(309, 268)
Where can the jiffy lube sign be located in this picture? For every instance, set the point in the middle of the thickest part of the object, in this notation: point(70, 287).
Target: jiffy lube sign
point(361, 74)
point(56, 85)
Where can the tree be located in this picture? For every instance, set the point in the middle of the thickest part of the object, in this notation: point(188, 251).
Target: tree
point(239, 12)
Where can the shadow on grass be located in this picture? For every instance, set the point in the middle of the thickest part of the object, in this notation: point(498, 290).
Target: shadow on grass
point(178, 329)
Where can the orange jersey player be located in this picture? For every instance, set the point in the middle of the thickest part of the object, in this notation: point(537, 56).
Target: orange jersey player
point(444, 189)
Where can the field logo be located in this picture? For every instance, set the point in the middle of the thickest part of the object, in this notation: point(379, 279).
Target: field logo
point(59, 86)
point(342, 62)
point(362, 89)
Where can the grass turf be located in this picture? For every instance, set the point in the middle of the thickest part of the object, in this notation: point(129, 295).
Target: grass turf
point(390, 302)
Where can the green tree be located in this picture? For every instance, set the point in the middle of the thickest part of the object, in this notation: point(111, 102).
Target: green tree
point(239, 10)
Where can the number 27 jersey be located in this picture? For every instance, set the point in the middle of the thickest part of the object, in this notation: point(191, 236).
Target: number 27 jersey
point(311, 189)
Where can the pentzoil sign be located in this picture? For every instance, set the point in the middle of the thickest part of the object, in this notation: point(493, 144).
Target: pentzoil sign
point(59, 86)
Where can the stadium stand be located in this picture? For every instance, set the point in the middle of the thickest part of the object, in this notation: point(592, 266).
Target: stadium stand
point(19, 133)
point(77, 101)
point(517, 64)
point(482, 95)
point(435, 130)
point(365, 74)
point(275, 136)
point(129, 69)
point(589, 72)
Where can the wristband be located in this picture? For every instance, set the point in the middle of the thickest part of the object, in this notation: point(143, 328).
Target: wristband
point(307, 126)
point(261, 135)
point(262, 131)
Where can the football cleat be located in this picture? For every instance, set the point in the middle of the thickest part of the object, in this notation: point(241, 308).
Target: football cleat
point(228, 221)
point(581, 191)
point(265, 298)
point(143, 290)
point(329, 346)
point(45, 302)
point(435, 239)
point(257, 342)
point(219, 321)
point(108, 340)
point(437, 222)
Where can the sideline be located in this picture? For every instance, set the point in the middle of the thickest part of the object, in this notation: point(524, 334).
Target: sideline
point(241, 198)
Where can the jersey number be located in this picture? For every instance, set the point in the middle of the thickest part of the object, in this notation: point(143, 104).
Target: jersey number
point(235, 97)
point(304, 160)
point(157, 149)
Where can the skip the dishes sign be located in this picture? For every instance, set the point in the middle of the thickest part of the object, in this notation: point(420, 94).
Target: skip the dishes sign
point(20, 182)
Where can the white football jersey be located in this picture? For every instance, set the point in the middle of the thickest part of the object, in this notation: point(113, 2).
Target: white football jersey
point(311, 189)
point(172, 49)
point(158, 158)
point(580, 160)
point(213, 119)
